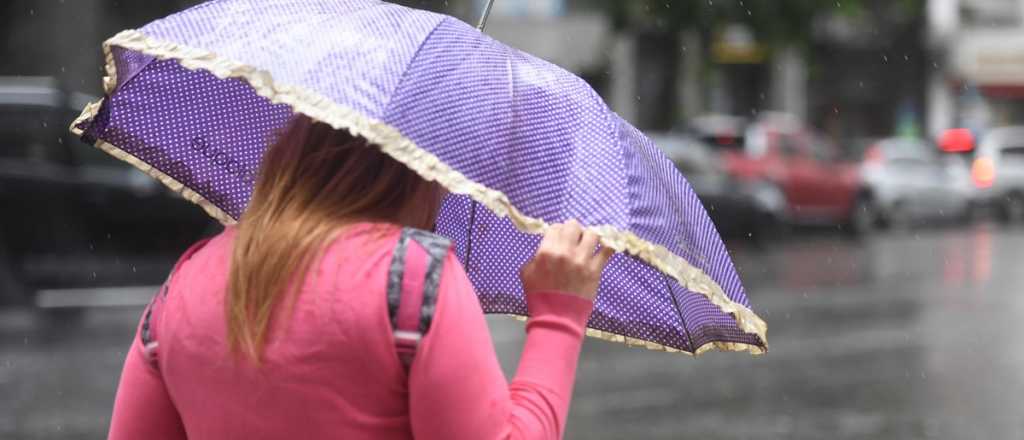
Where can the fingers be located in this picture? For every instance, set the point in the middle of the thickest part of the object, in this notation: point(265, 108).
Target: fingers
point(571, 232)
point(575, 242)
point(562, 236)
point(550, 236)
point(566, 261)
point(601, 259)
point(588, 243)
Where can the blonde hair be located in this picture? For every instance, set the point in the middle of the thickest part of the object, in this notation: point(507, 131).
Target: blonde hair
point(312, 182)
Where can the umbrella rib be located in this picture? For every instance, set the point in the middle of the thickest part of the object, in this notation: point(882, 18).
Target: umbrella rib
point(469, 231)
point(679, 310)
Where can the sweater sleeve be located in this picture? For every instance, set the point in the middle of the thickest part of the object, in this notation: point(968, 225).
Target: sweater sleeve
point(456, 386)
point(143, 408)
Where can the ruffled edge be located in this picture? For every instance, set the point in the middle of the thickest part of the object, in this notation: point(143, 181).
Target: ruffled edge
point(428, 166)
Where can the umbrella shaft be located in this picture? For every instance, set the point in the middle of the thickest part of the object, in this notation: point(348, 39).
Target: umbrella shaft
point(487, 12)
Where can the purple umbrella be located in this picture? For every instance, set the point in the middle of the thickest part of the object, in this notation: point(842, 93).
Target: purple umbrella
point(194, 99)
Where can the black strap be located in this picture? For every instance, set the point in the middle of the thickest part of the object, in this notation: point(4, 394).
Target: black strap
point(147, 333)
point(436, 249)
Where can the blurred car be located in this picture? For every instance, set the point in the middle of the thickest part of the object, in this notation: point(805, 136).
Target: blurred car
point(721, 132)
point(911, 180)
point(735, 207)
point(816, 186)
point(998, 172)
point(76, 219)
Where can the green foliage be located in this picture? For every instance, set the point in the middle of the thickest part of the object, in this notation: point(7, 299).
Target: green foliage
point(773, 21)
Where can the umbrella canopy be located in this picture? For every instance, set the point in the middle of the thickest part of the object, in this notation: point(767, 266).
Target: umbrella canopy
point(195, 98)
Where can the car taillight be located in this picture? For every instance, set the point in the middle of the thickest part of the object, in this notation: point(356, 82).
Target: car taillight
point(983, 172)
point(874, 155)
point(956, 140)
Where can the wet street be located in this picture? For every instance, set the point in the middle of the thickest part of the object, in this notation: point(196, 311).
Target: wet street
point(902, 336)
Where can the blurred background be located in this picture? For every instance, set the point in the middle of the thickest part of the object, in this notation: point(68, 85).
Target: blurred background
point(863, 158)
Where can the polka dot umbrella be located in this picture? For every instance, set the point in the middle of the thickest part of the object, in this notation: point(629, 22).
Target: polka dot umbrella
point(193, 99)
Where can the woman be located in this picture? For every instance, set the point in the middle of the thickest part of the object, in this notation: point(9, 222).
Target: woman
point(284, 325)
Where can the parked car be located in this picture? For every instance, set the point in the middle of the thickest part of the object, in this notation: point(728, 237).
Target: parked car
point(817, 187)
point(75, 218)
point(910, 180)
point(998, 172)
point(721, 132)
point(738, 208)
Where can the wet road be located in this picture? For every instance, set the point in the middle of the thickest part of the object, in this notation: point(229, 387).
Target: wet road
point(903, 336)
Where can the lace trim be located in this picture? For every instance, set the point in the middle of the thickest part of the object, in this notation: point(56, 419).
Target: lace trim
point(393, 143)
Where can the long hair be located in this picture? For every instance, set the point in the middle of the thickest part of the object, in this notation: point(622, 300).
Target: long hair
point(312, 182)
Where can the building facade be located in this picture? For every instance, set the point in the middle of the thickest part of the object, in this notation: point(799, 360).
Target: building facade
point(980, 84)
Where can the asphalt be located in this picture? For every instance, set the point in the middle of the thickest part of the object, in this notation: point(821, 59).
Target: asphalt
point(905, 335)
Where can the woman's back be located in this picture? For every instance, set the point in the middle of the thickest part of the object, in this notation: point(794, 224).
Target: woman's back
point(330, 368)
point(331, 363)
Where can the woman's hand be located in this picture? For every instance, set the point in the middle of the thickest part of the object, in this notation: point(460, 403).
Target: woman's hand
point(566, 262)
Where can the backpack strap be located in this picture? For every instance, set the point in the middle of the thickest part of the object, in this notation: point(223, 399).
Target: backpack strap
point(147, 333)
point(413, 280)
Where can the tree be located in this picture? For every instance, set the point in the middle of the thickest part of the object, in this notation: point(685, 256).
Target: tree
point(775, 22)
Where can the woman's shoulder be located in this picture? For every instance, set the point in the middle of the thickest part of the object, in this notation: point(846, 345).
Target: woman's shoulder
point(385, 248)
point(385, 238)
point(361, 240)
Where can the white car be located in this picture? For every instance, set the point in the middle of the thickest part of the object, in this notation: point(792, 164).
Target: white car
point(998, 172)
point(911, 181)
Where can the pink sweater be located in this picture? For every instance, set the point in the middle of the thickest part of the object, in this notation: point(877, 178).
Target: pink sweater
point(331, 370)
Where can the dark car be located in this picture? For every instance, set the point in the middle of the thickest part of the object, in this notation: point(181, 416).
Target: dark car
point(75, 220)
point(743, 208)
point(750, 204)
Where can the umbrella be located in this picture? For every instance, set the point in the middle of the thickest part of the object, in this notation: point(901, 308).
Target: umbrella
point(193, 99)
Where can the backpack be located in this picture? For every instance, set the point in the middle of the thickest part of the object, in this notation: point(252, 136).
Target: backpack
point(413, 278)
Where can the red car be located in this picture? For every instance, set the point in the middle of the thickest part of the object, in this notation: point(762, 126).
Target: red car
point(817, 188)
